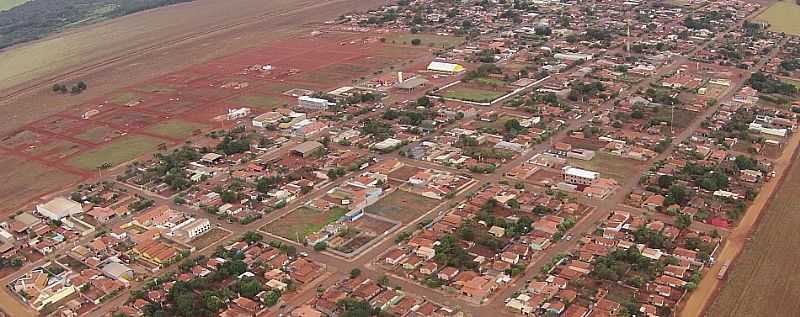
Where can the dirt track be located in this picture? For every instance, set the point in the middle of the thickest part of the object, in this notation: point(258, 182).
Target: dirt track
point(122, 51)
point(749, 269)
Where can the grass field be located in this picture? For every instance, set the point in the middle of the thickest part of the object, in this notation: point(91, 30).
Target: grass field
point(261, 101)
point(402, 206)
point(301, 222)
point(176, 129)
point(761, 281)
point(429, 40)
point(794, 82)
point(472, 94)
point(27, 180)
point(8, 4)
point(782, 17)
point(609, 166)
point(118, 151)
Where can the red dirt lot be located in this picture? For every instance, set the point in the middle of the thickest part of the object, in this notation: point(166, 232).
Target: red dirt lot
point(28, 180)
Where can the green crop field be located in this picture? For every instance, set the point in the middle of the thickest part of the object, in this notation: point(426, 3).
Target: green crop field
point(8, 4)
point(782, 17)
point(118, 151)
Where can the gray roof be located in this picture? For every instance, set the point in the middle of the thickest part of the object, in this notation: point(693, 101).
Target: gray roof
point(307, 147)
point(411, 83)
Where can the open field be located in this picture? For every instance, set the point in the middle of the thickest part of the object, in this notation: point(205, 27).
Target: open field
point(472, 94)
point(609, 166)
point(118, 151)
point(682, 120)
point(428, 40)
point(402, 206)
point(113, 54)
point(761, 279)
point(176, 129)
point(301, 222)
point(782, 17)
point(27, 180)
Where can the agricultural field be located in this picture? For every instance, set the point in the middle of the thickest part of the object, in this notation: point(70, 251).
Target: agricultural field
point(609, 166)
point(428, 40)
point(301, 222)
point(27, 181)
point(782, 17)
point(118, 151)
point(402, 206)
point(176, 129)
point(472, 94)
point(761, 279)
point(8, 4)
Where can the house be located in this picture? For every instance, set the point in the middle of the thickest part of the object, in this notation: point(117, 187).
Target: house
point(394, 257)
point(448, 273)
point(58, 208)
point(190, 229)
point(101, 214)
point(653, 202)
point(577, 176)
point(479, 287)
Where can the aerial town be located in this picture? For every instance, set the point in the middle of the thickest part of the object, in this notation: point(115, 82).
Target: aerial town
point(422, 158)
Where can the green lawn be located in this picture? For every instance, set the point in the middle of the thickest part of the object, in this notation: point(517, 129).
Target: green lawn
point(782, 17)
point(609, 166)
point(402, 206)
point(8, 4)
point(427, 40)
point(472, 94)
point(176, 129)
point(118, 151)
point(301, 222)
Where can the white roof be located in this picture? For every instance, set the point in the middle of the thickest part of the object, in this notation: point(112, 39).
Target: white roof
point(574, 171)
point(444, 67)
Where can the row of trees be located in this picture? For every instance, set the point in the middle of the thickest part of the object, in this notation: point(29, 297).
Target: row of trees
point(78, 88)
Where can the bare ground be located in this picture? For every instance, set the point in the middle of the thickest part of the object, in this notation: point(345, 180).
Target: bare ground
point(120, 52)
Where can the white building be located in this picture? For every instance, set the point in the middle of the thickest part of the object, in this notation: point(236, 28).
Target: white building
point(234, 114)
point(577, 176)
point(443, 67)
point(191, 229)
point(58, 208)
point(313, 103)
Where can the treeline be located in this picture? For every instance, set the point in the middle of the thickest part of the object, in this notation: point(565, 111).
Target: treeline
point(38, 18)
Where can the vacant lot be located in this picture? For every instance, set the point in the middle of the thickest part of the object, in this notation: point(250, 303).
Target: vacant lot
point(472, 94)
point(762, 281)
point(176, 129)
point(262, 102)
point(782, 17)
point(682, 118)
point(302, 222)
point(118, 151)
point(610, 166)
point(209, 238)
point(402, 206)
point(430, 40)
point(27, 181)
